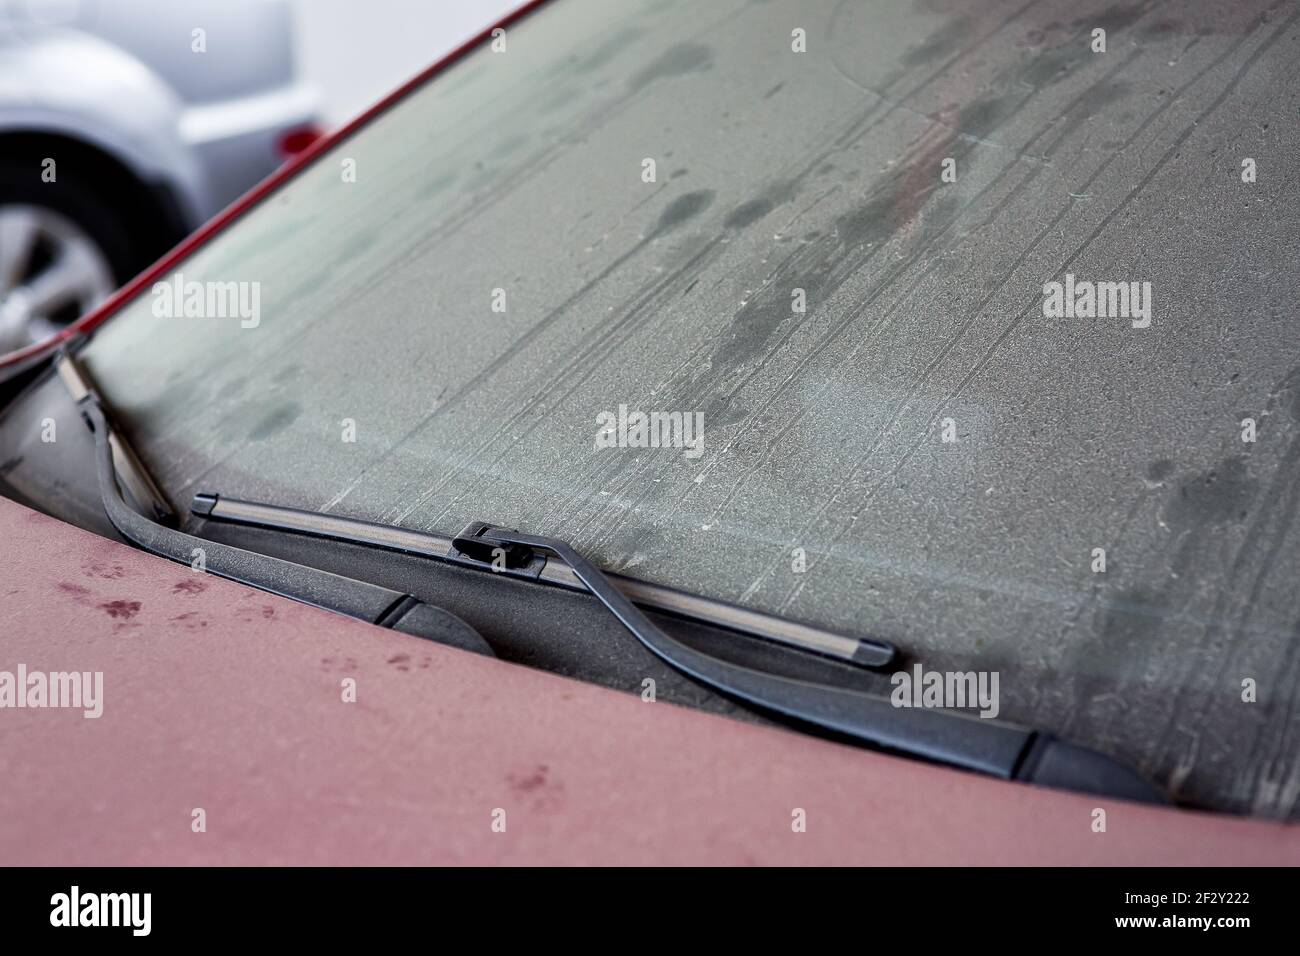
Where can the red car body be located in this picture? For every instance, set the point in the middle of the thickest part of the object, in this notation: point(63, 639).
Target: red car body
point(223, 698)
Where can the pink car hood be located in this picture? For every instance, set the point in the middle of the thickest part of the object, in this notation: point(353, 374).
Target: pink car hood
point(222, 698)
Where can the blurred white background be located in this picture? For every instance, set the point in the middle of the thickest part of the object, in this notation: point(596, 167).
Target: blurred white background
point(356, 51)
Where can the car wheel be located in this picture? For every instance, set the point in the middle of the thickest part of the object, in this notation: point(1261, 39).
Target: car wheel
point(62, 252)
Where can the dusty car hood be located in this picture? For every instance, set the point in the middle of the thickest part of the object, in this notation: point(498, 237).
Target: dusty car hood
point(223, 698)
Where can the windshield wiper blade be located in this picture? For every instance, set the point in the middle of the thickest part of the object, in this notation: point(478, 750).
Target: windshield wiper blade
point(363, 600)
point(974, 743)
point(859, 651)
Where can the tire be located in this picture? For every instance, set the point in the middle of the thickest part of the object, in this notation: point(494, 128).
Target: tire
point(79, 200)
point(66, 216)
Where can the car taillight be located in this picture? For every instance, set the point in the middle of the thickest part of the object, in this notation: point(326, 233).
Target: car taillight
point(296, 140)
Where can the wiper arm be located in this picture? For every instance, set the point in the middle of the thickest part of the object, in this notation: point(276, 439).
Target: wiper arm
point(974, 743)
point(333, 592)
point(134, 477)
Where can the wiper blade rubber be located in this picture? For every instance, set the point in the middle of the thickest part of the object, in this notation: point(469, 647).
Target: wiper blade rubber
point(859, 651)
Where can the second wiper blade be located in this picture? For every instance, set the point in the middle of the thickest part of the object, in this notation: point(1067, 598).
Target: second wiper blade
point(860, 651)
point(974, 743)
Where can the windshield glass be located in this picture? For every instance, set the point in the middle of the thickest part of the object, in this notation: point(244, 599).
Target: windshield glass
point(963, 332)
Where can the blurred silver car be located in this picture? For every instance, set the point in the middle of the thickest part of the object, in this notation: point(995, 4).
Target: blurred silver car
point(124, 124)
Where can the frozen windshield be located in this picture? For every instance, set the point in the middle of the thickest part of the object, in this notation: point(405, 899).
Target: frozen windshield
point(973, 329)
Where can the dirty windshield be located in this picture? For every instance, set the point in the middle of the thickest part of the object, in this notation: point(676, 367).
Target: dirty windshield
point(972, 327)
